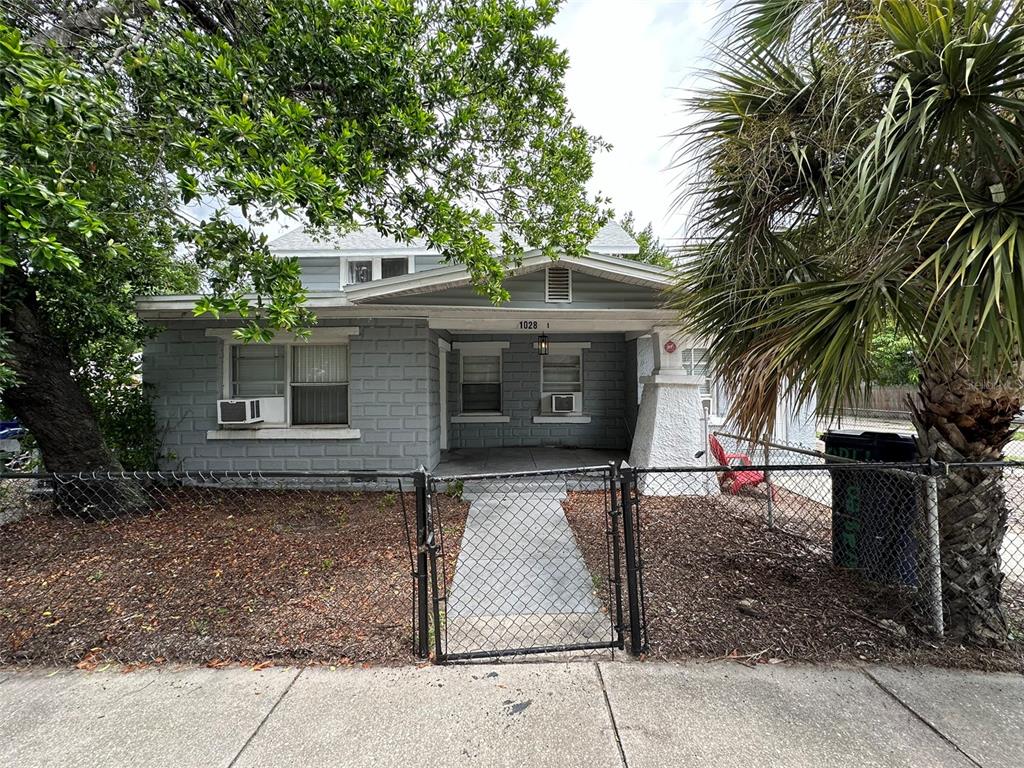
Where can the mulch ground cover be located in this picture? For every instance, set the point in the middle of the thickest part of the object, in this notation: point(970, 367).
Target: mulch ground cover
point(215, 576)
point(718, 583)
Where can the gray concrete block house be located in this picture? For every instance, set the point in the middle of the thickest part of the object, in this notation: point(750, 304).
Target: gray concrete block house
point(408, 362)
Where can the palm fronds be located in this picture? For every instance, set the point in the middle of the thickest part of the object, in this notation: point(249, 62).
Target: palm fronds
point(857, 166)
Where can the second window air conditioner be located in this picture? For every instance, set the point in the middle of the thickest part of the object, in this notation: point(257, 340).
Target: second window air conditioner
point(563, 403)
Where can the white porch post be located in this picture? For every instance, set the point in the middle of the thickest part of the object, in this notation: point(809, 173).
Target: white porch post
point(670, 427)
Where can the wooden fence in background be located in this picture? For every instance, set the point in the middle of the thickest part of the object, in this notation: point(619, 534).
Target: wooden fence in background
point(887, 399)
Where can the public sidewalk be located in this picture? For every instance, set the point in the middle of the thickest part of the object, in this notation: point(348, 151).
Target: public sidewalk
point(616, 713)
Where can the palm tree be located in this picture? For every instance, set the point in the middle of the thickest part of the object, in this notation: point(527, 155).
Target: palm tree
point(857, 165)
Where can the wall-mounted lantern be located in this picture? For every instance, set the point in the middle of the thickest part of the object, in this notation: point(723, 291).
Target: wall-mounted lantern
point(542, 344)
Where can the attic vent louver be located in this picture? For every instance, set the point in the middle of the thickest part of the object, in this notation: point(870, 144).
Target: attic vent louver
point(559, 285)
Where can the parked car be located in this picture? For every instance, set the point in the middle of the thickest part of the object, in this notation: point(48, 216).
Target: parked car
point(12, 453)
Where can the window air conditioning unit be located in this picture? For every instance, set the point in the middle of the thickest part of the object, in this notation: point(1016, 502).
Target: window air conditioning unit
point(563, 403)
point(238, 412)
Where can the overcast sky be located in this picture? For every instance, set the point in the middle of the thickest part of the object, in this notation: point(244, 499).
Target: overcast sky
point(631, 61)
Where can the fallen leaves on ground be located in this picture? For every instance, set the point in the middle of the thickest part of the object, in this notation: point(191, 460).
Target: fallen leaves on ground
point(216, 577)
point(718, 583)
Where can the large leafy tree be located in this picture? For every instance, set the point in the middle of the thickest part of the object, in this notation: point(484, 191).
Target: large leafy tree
point(652, 250)
point(892, 359)
point(859, 169)
point(442, 118)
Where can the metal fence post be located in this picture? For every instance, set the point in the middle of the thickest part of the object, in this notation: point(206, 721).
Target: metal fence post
point(632, 588)
point(436, 616)
point(768, 488)
point(613, 481)
point(705, 428)
point(422, 523)
point(934, 575)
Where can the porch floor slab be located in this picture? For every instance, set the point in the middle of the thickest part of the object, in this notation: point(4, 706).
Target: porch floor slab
point(475, 461)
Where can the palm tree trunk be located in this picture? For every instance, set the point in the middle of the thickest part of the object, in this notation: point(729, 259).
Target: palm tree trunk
point(958, 420)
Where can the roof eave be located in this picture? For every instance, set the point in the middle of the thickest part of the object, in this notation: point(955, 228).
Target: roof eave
point(145, 305)
point(354, 253)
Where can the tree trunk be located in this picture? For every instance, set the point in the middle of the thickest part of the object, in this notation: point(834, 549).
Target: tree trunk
point(47, 399)
point(50, 403)
point(960, 421)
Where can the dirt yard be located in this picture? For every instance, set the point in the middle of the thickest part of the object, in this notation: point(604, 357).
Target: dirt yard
point(215, 576)
point(719, 584)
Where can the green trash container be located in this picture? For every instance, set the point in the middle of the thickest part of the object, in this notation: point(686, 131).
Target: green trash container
point(873, 511)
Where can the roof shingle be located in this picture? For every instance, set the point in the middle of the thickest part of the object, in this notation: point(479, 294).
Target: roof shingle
point(612, 238)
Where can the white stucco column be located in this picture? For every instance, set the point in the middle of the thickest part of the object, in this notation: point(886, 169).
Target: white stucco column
point(670, 427)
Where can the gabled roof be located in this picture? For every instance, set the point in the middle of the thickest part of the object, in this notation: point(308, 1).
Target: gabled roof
point(442, 278)
point(611, 239)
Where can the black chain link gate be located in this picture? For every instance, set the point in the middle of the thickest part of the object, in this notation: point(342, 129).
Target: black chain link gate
point(526, 562)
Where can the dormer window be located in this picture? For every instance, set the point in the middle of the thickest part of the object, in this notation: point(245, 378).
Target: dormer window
point(366, 269)
point(394, 267)
point(360, 271)
point(558, 285)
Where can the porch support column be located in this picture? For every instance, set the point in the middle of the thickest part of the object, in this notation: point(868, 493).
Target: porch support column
point(671, 423)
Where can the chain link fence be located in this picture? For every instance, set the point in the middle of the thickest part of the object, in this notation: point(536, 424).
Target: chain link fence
point(815, 557)
point(536, 568)
point(979, 497)
point(734, 561)
point(875, 419)
point(804, 558)
point(206, 567)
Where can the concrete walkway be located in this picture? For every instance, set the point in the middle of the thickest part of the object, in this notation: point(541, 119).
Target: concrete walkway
point(640, 715)
point(520, 580)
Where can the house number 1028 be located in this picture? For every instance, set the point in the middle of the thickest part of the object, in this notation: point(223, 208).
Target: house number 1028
point(528, 325)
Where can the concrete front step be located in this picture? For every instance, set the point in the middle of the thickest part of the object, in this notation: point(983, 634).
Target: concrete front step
point(491, 491)
point(474, 489)
point(515, 503)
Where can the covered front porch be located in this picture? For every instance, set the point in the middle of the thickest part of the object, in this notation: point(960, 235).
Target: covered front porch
point(479, 461)
point(504, 391)
point(496, 396)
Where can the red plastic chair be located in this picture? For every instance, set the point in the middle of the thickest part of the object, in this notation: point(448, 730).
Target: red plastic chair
point(737, 479)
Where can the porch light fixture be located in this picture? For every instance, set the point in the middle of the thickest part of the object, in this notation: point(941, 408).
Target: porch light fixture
point(542, 344)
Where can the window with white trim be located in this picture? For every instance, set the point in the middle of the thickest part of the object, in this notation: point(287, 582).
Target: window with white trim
point(310, 379)
point(319, 384)
point(696, 363)
point(360, 271)
point(258, 370)
point(481, 383)
point(561, 373)
point(394, 267)
point(365, 269)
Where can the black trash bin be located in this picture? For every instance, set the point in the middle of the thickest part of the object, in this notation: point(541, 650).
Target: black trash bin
point(873, 511)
